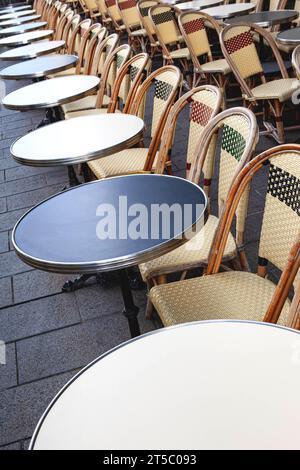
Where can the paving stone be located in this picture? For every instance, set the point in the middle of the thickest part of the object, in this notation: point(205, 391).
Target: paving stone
point(21, 407)
point(4, 244)
point(69, 348)
point(22, 171)
point(34, 284)
point(1, 176)
point(11, 264)
point(9, 219)
point(6, 292)
point(7, 162)
point(31, 198)
point(8, 371)
point(17, 131)
point(13, 446)
point(24, 184)
point(38, 316)
point(3, 205)
point(57, 176)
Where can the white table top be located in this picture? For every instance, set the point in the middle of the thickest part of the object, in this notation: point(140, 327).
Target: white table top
point(78, 140)
point(17, 14)
point(32, 51)
point(26, 38)
point(22, 20)
point(227, 11)
point(52, 92)
point(202, 385)
point(22, 28)
point(15, 9)
point(198, 4)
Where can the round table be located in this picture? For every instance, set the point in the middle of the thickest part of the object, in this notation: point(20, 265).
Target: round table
point(17, 14)
point(26, 38)
point(16, 21)
point(13, 9)
point(70, 228)
point(266, 19)
point(289, 37)
point(216, 385)
point(32, 50)
point(22, 28)
point(39, 67)
point(227, 11)
point(198, 4)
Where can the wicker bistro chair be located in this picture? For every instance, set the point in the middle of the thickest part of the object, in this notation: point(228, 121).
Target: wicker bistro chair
point(239, 135)
point(90, 9)
point(168, 35)
point(105, 19)
point(115, 16)
point(193, 26)
point(137, 35)
point(240, 52)
point(129, 78)
point(143, 9)
point(167, 83)
point(245, 295)
point(296, 61)
point(63, 23)
point(112, 67)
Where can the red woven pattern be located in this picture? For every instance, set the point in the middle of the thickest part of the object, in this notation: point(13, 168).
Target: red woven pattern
point(194, 26)
point(239, 42)
point(110, 3)
point(200, 113)
point(127, 4)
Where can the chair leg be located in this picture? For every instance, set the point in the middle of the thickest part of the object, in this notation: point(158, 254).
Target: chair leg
point(279, 122)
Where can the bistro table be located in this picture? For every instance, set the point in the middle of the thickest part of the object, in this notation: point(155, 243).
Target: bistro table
point(39, 67)
point(67, 234)
point(218, 385)
point(223, 12)
point(17, 14)
point(266, 19)
point(13, 9)
point(26, 38)
point(198, 4)
point(21, 20)
point(290, 37)
point(32, 50)
point(22, 28)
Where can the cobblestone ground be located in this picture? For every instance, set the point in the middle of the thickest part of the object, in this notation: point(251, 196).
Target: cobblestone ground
point(50, 335)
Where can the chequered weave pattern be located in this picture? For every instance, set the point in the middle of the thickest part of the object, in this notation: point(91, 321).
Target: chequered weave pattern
point(233, 142)
point(163, 17)
point(129, 12)
point(194, 26)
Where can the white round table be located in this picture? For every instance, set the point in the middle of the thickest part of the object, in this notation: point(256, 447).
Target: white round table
point(15, 9)
point(32, 51)
point(202, 385)
point(21, 20)
point(26, 38)
point(198, 4)
point(16, 14)
point(22, 28)
point(227, 11)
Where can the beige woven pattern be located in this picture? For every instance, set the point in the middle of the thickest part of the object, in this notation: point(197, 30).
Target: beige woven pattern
point(198, 37)
point(114, 12)
point(144, 9)
point(121, 163)
point(130, 14)
point(166, 25)
point(88, 112)
point(183, 53)
point(228, 295)
point(208, 99)
point(216, 66)
point(139, 32)
point(101, 55)
point(159, 104)
point(296, 60)
point(88, 102)
point(191, 254)
point(115, 67)
point(243, 51)
point(281, 89)
point(281, 221)
point(63, 73)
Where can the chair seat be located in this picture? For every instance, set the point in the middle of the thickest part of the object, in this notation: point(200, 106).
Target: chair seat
point(122, 163)
point(216, 66)
point(88, 112)
point(139, 32)
point(228, 295)
point(63, 73)
point(281, 89)
point(183, 53)
point(88, 102)
point(189, 255)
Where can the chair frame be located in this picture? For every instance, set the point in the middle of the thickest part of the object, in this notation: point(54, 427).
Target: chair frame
point(296, 60)
point(152, 41)
point(136, 42)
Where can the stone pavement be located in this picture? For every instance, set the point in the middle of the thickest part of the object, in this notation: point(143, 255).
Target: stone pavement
point(50, 335)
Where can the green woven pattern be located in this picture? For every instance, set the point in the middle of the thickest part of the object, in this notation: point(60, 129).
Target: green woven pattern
point(233, 142)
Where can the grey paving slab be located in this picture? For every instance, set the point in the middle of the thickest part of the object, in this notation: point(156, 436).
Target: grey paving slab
point(22, 171)
point(13, 446)
point(21, 407)
point(8, 371)
point(58, 176)
point(11, 264)
point(31, 198)
point(7, 162)
point(38, 316)
point(2, 177)
point(9, 219)
point(25, 184)
point(4, 243)
point(3, 206)
point(16, 131)
point(5, 292)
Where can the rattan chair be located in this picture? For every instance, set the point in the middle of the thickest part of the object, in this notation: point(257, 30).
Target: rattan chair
point(193, 26)
point(167, 84)
point(245, 295)
point(115, 16)
point(296, 61)
point(239, 135)
point(137, 35)
point(65, 17)
point(105, 18)
point(168, 35)
point(143, 9)
point(90, 9)
point(240, 52)
point(129, 78)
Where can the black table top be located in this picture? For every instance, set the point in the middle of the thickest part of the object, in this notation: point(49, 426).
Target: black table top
point(290, 36)
point(61, 234)
point(22, 28)
point(266, 19)
point(39, 67)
